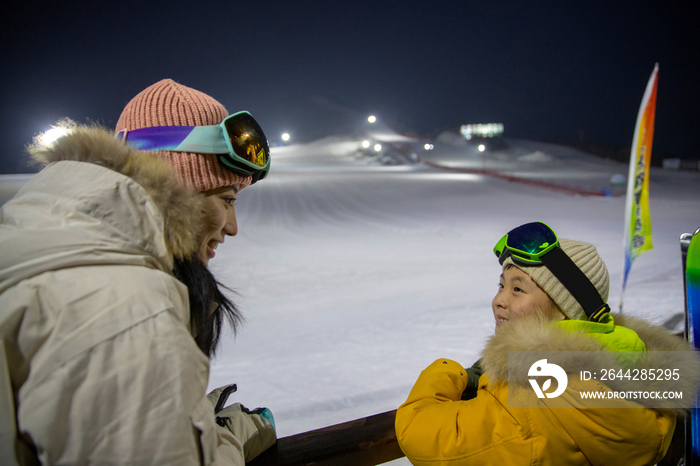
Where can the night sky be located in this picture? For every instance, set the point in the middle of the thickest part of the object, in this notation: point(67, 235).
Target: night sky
point(546, 70)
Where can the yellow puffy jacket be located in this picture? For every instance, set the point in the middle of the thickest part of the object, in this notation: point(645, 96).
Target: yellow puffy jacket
point(435, 427)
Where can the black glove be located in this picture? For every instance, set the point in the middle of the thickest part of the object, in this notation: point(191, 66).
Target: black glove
point(474, 373)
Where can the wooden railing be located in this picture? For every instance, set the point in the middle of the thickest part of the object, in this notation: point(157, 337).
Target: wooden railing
point(362, 442)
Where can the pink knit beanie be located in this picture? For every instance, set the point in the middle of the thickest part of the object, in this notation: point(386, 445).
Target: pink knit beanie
point(167, 103)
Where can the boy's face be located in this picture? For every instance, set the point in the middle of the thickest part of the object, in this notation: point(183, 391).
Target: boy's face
point(518, 296)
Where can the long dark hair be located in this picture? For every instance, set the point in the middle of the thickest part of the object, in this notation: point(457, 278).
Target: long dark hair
point(205, 292)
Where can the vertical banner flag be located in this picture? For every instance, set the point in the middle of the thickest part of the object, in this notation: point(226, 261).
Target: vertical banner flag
point(637, 237)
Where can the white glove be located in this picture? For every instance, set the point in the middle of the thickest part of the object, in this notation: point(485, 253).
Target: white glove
point(254, 429)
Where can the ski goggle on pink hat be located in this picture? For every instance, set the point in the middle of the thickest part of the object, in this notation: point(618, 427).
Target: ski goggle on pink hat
point(239, 142)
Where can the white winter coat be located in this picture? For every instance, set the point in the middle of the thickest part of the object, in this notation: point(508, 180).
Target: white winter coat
point(97, 364)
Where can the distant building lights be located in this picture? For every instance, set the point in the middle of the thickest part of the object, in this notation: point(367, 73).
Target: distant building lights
point(365, 144)
point(484, 130)
point(371, 118)
point(377, 147)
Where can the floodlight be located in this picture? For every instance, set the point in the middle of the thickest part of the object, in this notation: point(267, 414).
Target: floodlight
point(372, 118)
point(49, 137)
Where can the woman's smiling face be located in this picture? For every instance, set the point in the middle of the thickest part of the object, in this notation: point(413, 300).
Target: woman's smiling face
point(220, 204)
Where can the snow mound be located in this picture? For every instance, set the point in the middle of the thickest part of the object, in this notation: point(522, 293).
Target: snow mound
point(536, 157)
point(618, 180)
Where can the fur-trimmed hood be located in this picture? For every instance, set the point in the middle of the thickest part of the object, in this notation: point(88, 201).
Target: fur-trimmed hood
point(534, 335)
point(97, 201)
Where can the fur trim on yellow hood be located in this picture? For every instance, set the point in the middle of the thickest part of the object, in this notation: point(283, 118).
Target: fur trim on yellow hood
point(536, 334)
point(181, 208)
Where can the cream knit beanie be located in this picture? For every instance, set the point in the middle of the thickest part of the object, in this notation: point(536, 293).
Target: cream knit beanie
point(167, 103)
point(586, 257)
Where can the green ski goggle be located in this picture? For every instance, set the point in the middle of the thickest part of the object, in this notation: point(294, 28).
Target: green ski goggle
point(239, 142)
point(526, 244)
point(535, 244)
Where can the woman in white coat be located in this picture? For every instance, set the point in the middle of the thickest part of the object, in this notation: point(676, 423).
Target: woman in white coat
point(108, 314)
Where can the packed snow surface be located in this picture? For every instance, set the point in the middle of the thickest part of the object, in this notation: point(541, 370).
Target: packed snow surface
point(355, 270)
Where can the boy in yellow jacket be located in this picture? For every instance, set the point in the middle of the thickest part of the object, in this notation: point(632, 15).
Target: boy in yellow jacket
point(491, 413)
